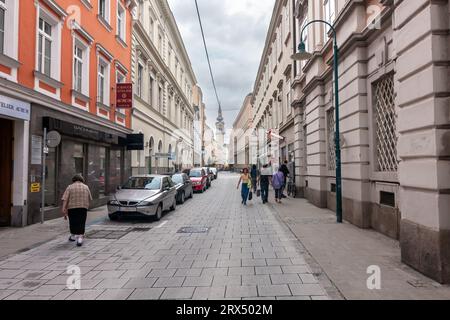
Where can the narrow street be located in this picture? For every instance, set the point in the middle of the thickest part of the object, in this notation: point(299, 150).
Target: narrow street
point(232, 252)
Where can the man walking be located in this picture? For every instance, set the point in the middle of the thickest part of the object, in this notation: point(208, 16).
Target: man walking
point(285, 171)
point(264, 181)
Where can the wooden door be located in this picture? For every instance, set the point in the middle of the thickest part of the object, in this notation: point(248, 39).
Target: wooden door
point(6, 149)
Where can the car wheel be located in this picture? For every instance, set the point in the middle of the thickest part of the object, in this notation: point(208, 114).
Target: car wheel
point(174, 205)
point(113, 218)
point(182, 198)
point(158, 215)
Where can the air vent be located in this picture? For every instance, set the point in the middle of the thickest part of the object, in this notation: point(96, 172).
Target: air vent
point(387, 199)
point(333, 187)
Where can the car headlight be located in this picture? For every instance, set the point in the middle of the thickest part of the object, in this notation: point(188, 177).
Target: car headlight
point(145, 204)
point(114, 203)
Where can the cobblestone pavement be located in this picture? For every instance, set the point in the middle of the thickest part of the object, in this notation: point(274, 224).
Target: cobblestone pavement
point(247, 253)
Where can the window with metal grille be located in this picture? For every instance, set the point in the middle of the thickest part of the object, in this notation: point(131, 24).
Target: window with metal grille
point(385, 125)
point(331, 152)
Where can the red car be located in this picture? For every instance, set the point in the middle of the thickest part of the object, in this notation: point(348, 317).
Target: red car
point(199, 179)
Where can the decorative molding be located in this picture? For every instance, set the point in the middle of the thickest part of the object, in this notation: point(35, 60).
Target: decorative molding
point(56, 8)
point(48, 80)
point(103, 51)
point(80, 96)
point(9, 62)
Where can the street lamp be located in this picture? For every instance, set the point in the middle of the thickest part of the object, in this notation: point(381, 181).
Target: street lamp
point(302, 55)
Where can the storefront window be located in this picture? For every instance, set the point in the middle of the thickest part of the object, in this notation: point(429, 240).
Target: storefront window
point(78, 158)
point(97, 171)
point(50, 182)
point(291, 154)
point(115, 168)
point(102, 172)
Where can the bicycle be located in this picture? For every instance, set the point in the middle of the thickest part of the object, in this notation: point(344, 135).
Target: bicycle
point(291, 188)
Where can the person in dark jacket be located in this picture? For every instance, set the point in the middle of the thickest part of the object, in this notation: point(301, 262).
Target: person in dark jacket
point(286, 172)
point(254, 174)
point(264, 182)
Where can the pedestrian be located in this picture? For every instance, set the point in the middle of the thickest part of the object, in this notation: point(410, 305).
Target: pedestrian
point(245, 181)
point(277, 183)
point(286, 172)
point(255, 177)
point(75, 206)
point(264, 182)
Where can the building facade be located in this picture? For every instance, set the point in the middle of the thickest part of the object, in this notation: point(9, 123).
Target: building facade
point(59, 64)
point(242, 142)
point(199, 126)
point(394, 88)
point(273, 114)
point(163, 82)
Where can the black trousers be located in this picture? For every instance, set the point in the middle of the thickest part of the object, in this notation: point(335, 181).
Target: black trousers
point(264, 192)
point(77, 221)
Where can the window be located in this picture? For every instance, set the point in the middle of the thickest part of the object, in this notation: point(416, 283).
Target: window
point(78, 68)
point(151, 26)
point(2, 25)
point(103, 9)
point(45, 47)
point(160, 43)
point(385, 125)
point(161, 98)
point(139, 80)
point(304, 40)
point(329, 15)
point(169, 58)
point(78, 158)
point(150, 88)
point(120, 78)
point(287, 19)
point(103, 82)
point(121, 23)
point(288, 98)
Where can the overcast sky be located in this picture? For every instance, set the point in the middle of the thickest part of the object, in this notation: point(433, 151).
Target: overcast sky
point(235, 32)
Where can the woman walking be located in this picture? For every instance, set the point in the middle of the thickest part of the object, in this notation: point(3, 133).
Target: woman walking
point(278, 183)
point(75, 206)
point(245, 179)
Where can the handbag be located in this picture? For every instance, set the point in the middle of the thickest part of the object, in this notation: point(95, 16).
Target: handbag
point(258, 193)
point(250, 196)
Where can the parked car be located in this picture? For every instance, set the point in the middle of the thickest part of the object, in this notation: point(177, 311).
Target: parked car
point(199, 179)
point(184, 187)
point(209, 175)
point(143, 196)
point(215, 172)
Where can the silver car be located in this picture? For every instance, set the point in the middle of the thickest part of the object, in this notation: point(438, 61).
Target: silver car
point(143, 195)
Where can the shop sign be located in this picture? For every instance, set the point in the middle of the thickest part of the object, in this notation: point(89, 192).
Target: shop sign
point(76, 130)
point(135, 142)
point(14, 108)
point(35, 187)
point(124, 96)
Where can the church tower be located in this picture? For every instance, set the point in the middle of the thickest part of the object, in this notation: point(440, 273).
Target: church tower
point(220, 129)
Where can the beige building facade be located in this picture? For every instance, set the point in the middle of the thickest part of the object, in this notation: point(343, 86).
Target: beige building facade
point(163, 82)
point(273, 115)
point(242, 147)
point(394, 91)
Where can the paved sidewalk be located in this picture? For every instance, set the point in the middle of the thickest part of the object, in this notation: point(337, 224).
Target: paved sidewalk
point(15, 240)
point(345, 252)
point(248, 253)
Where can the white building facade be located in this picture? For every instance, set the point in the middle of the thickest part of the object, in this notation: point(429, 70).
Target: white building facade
point(163, 82)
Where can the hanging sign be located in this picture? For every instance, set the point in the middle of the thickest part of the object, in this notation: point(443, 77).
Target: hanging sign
point(124, 96)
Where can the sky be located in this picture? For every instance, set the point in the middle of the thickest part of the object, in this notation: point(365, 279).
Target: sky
point(235, 32)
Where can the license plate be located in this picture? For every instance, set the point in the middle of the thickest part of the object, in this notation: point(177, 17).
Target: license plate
point(128, 209)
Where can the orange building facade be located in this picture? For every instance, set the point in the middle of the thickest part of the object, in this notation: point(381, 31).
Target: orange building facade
point(60, 61)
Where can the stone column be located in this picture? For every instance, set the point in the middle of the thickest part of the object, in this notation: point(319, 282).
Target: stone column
point(421, 42)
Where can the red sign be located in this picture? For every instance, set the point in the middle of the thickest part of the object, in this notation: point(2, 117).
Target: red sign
point(124, 96)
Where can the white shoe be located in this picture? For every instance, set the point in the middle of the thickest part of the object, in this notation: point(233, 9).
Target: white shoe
point(80, 241)
point(72, 238)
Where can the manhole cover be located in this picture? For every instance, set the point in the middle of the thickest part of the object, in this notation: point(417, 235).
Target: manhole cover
point(140, 229)
point(193, 230)
point(113, 234)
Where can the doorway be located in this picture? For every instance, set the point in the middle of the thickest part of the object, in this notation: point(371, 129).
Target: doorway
point(6, 169)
